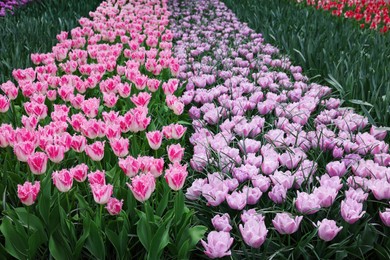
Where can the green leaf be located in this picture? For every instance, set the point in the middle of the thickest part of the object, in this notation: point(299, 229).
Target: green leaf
point(95, 243)
point(160, 241)
point(162, 205)
point(15, 243)
point(144, 231)
point(196, 233)
point(179, 206)
point(80, 243)
point(59, 247)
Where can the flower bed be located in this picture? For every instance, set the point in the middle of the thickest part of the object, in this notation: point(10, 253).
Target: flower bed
point(98, 118)
point(10, 5)
point(278, 163)
point(368, 13)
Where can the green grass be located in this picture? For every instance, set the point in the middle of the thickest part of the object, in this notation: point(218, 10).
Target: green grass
point(331, 50)
point(33, 29)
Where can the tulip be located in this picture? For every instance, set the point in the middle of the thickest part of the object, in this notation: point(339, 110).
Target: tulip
point(101, 193)
point(63, 180)
point(327, 229)
point(97, 177)
point(95, 151)
point(221, 222)
point(154, 139)
point(385, 217)
point(176, 175)
point(27, 193)
point(79, 172)
point(254, 232)
point(142, 186)
point(120, 146)
point(237, 200)
point(307, 203)
point(130, 166)
point(23, 150)
point(284, 223)
point(56, 153)
point(37, 163)
point(351, 210)
point(218, 244)
point(175, 152)
point(114, 206)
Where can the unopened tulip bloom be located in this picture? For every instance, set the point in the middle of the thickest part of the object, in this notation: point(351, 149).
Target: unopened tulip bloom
point(97, 177)
point(254, 232)
point(336, 169)
point(27, 193)
point(176, 175)
point(221, 222)
point(101, 193)
point(37, 163)
point(95, 151)
point(130, 166)
point(284, 223)
point(327, 229)
point(142, 186)
point(120, 146)
point(175, 152)
point(218, 244)
point(56, 153)
point(385, 217)
point(63, 180)
point(307, 203)
point(351, 210)
point(114, 206)
point(154, 139)
point(79, 172)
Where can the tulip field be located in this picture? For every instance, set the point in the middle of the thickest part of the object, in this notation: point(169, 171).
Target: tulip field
point(171, 129)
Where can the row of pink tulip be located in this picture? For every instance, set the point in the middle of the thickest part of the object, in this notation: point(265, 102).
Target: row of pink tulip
point(262, 132)
point(77, 97)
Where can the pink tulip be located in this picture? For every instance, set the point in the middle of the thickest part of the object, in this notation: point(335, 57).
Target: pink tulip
point(385, 217)
point(254, 232)
point(380, 189)
point(221, 222)
point(37, 163)
point(130, 166)
point(307, 203)
point(101, 193)
point(351, 210)
point(4, 104)
point(154, 139)
point(97, 177)
point(336, 169)
point(325, 195)
point(327, 229)
point(156, 167)
point(178, 131)
point(79, 172)
point(278, 194)
point(56, 153)
point(175, 152)
point(142, 99)
point(120, 146)
point(27, 193)
point(78, 143)
point(95, 151)
point(269, 166)
point(218, 244)
point(284, 223)
point(195, 190)
point(236, 200)
point(90, 107)
point(176, 175)
point(23, 150)
point(142, 186)
point(114, 206)
point(63, 180)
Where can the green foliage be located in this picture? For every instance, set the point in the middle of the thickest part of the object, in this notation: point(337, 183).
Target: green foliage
point(330, 49)
point(33, 29)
